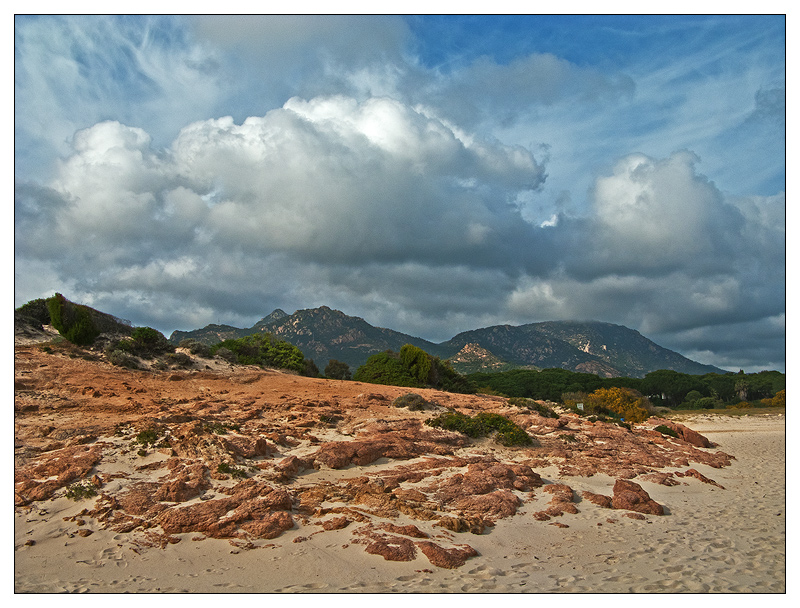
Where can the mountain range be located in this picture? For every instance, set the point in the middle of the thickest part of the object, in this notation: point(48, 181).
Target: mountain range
point(583, 346)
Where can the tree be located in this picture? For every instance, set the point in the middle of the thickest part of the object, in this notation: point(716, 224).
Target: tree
point(671, 386)
point(337, 370)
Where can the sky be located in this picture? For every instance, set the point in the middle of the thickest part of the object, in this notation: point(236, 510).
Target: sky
point(431, 174)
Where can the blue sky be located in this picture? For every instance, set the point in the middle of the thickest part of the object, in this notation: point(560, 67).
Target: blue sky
point(431, 174)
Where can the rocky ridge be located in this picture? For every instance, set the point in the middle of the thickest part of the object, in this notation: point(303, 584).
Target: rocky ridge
point(591, 347)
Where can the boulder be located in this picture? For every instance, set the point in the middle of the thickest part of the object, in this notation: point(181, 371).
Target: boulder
point(446, 558)
point(632, 497)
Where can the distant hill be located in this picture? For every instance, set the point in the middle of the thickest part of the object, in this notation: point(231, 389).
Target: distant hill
point(321, 333)
point(592, 347)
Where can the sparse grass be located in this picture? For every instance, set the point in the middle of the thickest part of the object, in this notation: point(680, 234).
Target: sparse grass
point(81, 490)
point(678, 415)
point(233, 471)
point(220, 428)
point(569, 438)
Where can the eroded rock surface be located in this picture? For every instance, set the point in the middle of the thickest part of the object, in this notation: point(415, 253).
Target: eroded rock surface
point(253, 455)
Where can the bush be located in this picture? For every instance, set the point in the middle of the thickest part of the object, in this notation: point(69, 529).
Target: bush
point(665, 430)
point(234, 471)
point(707, 403)
point(72, 321)
point(532, 405)
point(225, 354)
point(123, 359)
point(508, 433)
point(418, 363)
point(385, 368)
point(220, 428)
point(412, 401)
point(779, 400)
point(80, 490)
point(264, 350)
point(412, 367)
point(337, 370)
point(35, 312)
point(195, 347)
point(310, 369)
point(625, 403)
point(180, 359)
point(146, 437)
point(150, 342)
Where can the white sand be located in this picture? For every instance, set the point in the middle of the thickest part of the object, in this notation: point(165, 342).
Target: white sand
point(711, 540)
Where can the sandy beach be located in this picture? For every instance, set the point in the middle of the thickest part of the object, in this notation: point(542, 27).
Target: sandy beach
point(716, 540)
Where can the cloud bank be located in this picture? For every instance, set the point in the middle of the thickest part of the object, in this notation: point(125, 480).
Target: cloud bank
point(430, 197)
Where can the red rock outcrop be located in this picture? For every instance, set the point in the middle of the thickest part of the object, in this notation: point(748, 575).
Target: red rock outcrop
point(632, 497)
point(446, 558)
point(698, 475)
point(599, 499)
point(278, 428)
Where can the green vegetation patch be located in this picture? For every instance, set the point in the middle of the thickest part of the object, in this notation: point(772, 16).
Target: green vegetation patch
point(220, 428)
point(264, 350)
point(73, 321)
point(533, 406)
point(482, 425)
point(414, 368)
point(233, 471)
point(81, 490)
point(665, 430)
point(147, 437)
point(413, 402)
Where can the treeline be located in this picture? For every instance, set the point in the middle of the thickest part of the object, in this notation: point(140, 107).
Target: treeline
point(663, 387)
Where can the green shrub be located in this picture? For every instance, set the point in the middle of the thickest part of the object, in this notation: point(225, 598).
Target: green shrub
point(150, 342)
point(81, 490)
point(195, 347)
point(412, 401)
point(73, 321)
point(233, 471)
point(147, 436)
point(35, 312)
point(532, 405)
point(337, 370)
point(385, 368)
point(123, 359)
point(220, 428)
point(412, 367)
point(481, 425)
point(708, 403)
point(665, 430)
point(310, 369)
point(179, 359)
point(225, 354)
point(418, 363)
point(264, 350)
